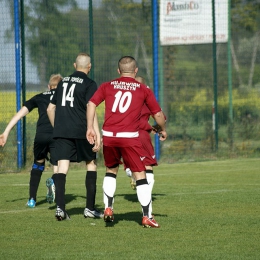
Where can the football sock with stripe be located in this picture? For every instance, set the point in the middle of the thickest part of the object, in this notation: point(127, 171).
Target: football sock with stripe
point(109, 189)
point(35, 178)
point(144, 196)
point(150, 178)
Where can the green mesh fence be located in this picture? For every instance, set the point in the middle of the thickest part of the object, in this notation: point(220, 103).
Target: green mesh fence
point(56, 31)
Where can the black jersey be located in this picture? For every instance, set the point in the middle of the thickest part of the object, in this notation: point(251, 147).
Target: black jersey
point(41, 101)
point(71, 98)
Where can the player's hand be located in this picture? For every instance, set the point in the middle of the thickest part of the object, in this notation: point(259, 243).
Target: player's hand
point(3, 139)
point(91, 136)
point(162, 135)
point(156, 129)
point(97, 145)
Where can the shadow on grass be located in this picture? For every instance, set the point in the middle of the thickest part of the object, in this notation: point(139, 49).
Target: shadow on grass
point(42, 200)
point(80, 210)
point(133, 197)
point(133, 216)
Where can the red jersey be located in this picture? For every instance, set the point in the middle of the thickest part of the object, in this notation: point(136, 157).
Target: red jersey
point(144, 119)
point(124, 99)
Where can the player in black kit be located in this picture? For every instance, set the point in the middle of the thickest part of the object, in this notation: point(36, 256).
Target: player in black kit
point(43, 142)
point(67, 113)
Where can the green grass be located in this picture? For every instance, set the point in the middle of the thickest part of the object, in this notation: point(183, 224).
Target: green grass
point(207, 210)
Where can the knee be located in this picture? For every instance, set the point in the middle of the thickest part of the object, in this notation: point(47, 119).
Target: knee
point(38, 165)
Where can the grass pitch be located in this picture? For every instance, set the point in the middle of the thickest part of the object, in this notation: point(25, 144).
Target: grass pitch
point(207, 210)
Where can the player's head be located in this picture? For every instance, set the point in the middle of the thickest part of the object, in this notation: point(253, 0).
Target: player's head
point(83, 62)
point(54, 80)
point(127, 65)
point(140, 79)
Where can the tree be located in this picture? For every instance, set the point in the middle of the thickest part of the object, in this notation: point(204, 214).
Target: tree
point(126, 30)
point(51, 47)
point(246, 21)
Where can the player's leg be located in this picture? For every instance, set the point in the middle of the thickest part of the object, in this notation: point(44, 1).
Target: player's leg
point(150, 176)
point(150, 159)
point(65, 151)
point(85, 153)
point(50, 197)
point(109, 189)
point(111, 155)
point(132, 180)
point(150, 181)
point(145, 199)
point(60, 184)
point(131, 156)
point(40, 149)
point(91, 188)
point(35, 178)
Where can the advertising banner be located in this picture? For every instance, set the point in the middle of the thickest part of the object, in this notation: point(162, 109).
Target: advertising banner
point(190, 22)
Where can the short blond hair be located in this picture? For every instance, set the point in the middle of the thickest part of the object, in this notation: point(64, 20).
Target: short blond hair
point(54, 80)
point(127, 64)
point(82, 61)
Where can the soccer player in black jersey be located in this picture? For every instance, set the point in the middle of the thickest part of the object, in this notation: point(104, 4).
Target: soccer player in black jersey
point(67, 114)
point(43, 142)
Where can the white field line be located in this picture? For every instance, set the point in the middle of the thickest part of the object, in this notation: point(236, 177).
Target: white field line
point(20, 210)
point(17, 184)
point(174, 194)
point(204, 192)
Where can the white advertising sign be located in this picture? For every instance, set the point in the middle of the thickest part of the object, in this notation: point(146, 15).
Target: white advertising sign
point(190, 22)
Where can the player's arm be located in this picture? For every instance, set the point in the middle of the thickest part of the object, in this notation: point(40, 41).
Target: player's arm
point(51, 113)
point(160, 120)
point(156, 128)
point(20, 114)
point(91, 135)
point(98, 139)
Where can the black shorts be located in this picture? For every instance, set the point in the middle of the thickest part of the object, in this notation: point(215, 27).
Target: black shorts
point(75, 150)
point(44, 144)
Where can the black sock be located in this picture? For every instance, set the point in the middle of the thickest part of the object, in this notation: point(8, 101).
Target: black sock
point(60, 182)
point(91, 187)
point(146, 210)
point(35, 179)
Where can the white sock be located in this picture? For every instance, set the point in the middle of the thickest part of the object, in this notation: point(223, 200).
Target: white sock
point(150, 180)
point(109, 189)
point(144, 196)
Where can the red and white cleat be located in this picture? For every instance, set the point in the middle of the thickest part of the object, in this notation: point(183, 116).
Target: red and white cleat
point(149, 222)
point(108, 215)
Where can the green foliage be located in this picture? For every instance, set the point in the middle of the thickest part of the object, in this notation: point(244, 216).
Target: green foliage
point(45, 36)
point(126, 25)
point(198, 108)
point(245, 14)
point(206, 210)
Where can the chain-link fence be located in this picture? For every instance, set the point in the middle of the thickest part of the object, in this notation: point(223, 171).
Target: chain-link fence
point(52, 33)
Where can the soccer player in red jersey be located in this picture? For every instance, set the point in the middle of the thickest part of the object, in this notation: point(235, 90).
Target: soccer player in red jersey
point(144, 134)
point(124, 98)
